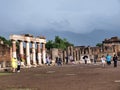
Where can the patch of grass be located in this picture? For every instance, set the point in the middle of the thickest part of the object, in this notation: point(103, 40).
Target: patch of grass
point(3, 74)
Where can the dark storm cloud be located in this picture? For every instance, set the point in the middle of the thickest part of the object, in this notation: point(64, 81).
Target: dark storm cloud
point(79, 16)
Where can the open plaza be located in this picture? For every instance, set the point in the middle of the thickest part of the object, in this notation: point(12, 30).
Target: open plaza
point(65, 77)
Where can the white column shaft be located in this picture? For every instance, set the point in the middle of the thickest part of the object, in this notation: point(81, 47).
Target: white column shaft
point(39, 54)
point(28, 53)
point(44, 53)
point(33, 54)
point(39, 59)
point(21, 48)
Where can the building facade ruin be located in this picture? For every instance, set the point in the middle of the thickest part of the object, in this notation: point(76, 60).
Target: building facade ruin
point(5, 53)
point(109, 46)
point(33, 52)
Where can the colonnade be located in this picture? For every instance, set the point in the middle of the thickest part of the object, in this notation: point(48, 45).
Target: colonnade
point(78, 52)
point(34, 55)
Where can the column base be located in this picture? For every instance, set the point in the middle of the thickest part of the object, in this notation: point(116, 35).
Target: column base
point(28, 66)
point(34, 65)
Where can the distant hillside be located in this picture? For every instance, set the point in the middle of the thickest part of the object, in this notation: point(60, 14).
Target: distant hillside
point(77, 39)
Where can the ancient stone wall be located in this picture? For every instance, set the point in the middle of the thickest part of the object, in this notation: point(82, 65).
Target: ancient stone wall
point(5, 55)
point(109, 46)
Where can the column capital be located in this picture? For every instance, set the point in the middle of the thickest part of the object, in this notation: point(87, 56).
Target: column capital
point(13, 41)
point(27, 39)
point(33, 41)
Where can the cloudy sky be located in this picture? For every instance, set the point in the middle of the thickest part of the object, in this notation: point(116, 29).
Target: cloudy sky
point(76, 16)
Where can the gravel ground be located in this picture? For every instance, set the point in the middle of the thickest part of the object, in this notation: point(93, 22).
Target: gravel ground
point(66, 77)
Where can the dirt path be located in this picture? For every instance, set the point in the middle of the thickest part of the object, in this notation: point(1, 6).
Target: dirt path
point(67, 77)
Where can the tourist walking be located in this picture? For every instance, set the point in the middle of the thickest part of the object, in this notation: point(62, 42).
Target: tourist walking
point(108, 59)
point(103, 60)
point(14, 64)
point(85, 59)
point(115, 59)
point(59, 61)
point(48, 61)
point(66, 58)
point(18, 65)
point(95, 58)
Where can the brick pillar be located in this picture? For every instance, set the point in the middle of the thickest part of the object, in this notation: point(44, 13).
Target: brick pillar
point(68, 51)
point(22, 53)
point(74, 54)
point(64, 56)
point(77, 54)
point(54, 54)
point(14, 49)
point(21, 50)
point(72, 51)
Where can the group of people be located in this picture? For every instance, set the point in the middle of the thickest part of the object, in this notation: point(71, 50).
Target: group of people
point(108, 60)
point(48, 60)
point(104, 59)
point(58, 61)
point(16, 62)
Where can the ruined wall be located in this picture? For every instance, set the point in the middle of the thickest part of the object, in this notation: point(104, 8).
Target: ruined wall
point(5, 56)
point(54, 53)
point(79, 51)
point(4, 53)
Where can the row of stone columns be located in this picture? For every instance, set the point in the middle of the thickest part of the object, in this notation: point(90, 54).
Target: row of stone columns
point(78, 52)
point(36, 51)
point(39, 53)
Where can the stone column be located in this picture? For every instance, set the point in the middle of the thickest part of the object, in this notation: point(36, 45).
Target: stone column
point(28, 54)
point(68, 51)
point(21, 50)
point(64, 56)
point(72, 51)
point(43, 53)
point(14, 49)
point(39, 54)
point(74, 54)
point(89, 50)
point(33, 53)
point(77, 55)
point(22, 54)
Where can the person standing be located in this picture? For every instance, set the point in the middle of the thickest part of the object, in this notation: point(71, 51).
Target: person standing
point(66, 58)
point(108, 59)
point(115, 59)
point(95, 58)
point(48, 60)
point(103, 60)
point(59, 61)
point(14, 64)
point(18, 65)
point(85, 59)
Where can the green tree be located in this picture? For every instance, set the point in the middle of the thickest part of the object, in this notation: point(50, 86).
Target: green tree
point(49, 44)
point(58, 43)
point(5, 41)
point(99, 44)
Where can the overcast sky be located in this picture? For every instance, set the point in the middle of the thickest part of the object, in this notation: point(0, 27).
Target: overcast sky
point(79, 16)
